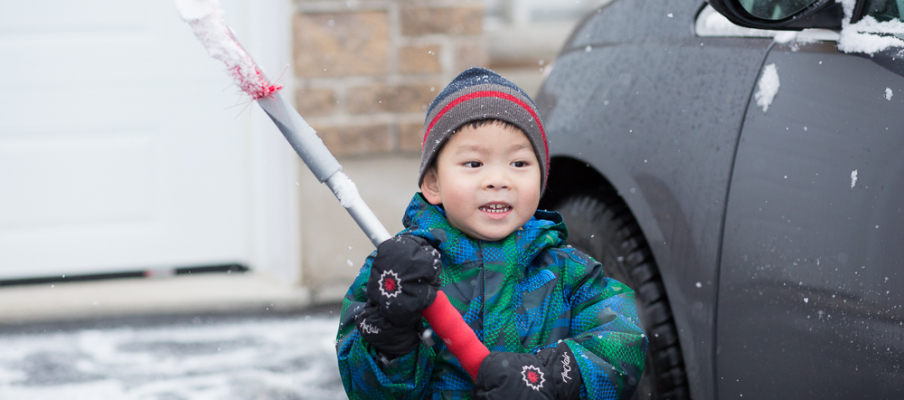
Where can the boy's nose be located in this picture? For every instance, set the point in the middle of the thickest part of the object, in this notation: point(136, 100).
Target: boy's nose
point(496, 179)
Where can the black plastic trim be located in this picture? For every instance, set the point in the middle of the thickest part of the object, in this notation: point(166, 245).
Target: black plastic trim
point(824, 14)
point(200, 269)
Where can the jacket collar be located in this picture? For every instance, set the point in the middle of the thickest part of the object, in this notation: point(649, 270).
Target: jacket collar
point(544, 230)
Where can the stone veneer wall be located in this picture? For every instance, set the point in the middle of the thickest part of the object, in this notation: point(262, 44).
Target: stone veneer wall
point(366, 70)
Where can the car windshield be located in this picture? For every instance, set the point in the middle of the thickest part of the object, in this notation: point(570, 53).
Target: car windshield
point(775, 9)
point(886, 10)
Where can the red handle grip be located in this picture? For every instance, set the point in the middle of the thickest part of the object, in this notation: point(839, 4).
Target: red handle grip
point(445, 320)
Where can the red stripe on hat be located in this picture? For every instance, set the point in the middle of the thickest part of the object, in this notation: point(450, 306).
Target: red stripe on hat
point(488, 93)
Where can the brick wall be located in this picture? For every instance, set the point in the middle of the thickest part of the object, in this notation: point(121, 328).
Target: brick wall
point(366, 70)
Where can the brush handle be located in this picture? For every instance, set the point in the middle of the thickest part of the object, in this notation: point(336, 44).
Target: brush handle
point(322, 163)
point(445, 320)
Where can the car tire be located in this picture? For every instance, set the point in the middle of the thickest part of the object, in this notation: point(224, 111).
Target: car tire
point(602, 226)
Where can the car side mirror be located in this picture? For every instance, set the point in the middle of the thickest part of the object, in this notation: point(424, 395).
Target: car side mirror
point(782, 14)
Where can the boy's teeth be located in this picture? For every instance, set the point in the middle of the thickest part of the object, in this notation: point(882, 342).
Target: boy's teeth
point(497, 208)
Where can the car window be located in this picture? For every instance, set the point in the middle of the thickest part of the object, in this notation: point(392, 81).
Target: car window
point(775, 9)
point(886, 10)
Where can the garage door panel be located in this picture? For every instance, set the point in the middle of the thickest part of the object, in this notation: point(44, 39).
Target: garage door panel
point(77, 179)
point(77, 112)
point(95, 58)
point(39, 16)
point(77, 249)
point(122, 144)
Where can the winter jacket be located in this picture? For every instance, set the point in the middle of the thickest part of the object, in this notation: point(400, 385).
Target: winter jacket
point(521, 294)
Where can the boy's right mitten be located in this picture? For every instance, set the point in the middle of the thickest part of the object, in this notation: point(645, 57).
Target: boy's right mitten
point(404, 278)
point(505, 376)
point(550, 374)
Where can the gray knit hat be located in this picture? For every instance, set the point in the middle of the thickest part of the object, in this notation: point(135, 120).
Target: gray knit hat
point(478, 94)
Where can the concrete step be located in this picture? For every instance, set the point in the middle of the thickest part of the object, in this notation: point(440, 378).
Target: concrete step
point(141, 296)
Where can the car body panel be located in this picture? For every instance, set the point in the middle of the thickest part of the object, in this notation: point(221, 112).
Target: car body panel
point(671, 164)
point(760, 308)
point(810, 299)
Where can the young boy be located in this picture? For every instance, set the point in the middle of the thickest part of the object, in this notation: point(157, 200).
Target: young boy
point(555, 326)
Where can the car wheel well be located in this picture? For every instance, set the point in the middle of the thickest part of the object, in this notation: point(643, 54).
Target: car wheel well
point(601, 224)
point(569, 177)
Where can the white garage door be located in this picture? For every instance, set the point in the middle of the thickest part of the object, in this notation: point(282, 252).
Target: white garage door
point(122, 145)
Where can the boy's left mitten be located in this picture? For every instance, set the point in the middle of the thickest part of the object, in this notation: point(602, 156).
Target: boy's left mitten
point(388, 339)
point(551, 374)
point(404, 278)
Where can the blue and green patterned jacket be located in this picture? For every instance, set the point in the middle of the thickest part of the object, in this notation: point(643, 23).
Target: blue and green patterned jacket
point(521, 294)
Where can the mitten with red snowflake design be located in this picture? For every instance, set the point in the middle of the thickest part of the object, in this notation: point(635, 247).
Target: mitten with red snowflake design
point(404, 278)
point(551, 374)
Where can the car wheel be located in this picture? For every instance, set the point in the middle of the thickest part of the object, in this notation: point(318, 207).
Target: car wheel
point(602, 226)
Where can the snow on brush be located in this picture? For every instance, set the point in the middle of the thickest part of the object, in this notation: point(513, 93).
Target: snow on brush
point(206, 20)
point(767, 87)
point(252, 359)
point(345, 190)
point(867, 35)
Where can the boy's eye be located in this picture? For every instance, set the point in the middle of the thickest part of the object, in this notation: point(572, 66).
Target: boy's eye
point(519, 164)
point(473, 164)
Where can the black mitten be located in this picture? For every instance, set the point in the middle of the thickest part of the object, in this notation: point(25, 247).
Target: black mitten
point(404, 277)
point(388, 339)
point(563, 366)
point(514, 376)
point(550, 374)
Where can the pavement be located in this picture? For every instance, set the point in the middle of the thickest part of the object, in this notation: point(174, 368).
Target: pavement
point(183, 337)
point(180, 294)
point(174, 357)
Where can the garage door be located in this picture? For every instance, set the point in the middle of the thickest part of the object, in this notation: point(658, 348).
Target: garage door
point(122, 145)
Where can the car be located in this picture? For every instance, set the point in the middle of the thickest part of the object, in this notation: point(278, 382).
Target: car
point(740, 165)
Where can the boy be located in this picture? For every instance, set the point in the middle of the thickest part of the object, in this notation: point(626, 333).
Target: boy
point(555, 326)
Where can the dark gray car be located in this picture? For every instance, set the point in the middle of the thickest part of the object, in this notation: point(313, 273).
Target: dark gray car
point(749, 188)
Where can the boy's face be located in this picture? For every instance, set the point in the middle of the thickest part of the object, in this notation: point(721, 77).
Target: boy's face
point(487, 179)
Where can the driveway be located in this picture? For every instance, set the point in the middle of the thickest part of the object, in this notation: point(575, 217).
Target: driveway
point(286, 357)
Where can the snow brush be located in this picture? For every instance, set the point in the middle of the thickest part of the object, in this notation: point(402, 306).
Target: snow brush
point(206, 20)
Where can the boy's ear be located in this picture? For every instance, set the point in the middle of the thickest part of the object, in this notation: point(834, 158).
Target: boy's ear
point(430, 187)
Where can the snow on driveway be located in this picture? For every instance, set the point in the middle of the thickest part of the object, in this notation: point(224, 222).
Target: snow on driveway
point(258, 359)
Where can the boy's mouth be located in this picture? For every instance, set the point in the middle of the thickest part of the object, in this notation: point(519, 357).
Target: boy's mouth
point(495, 208)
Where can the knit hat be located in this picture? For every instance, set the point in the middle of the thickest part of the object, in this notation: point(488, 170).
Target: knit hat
point(478, 94)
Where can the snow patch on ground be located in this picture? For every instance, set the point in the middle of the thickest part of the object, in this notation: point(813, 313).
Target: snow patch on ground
point(867, 35)
point(767, 87)
point(853, 178)
point(257, 359)
point(888, 94)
